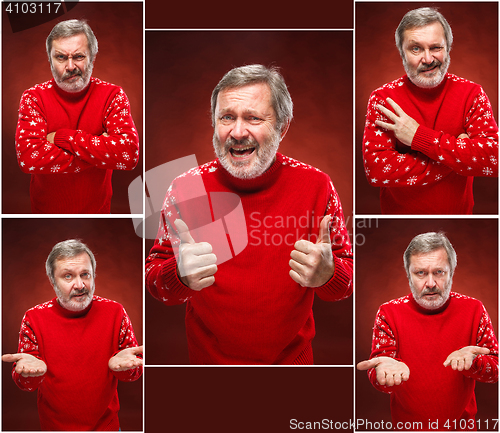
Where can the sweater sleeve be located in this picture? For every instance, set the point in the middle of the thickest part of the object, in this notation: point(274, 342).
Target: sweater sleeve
point(27, 344)
point(162, 280)
point(383, 344)
point(119, 150)
point(485, 367)
point(340, 285)
point(34, 153)
point(389, 163)
point(476, 155)
point(127, 339)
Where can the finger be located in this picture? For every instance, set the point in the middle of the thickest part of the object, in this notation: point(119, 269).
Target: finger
point(299, 257)
point(366, 365)
point(296, 277)
point(387, 113)
point(183, 231)
point(324, 230)
point(468, 363)
point(304, 246)
point(137, 350)
point(387, 126)
point(482, 350)
point(12, 357)
point(405, 376)
point(460, 364)
point(203, 283)
point(381, 377)
point(397, 109)
point(454, 364)
point(397, 379)
point(463, 135)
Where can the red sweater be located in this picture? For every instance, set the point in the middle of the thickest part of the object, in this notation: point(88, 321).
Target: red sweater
point(434, 176)
point(423, 339)
point(73, 175)
point(78, 391)
point(254, 313)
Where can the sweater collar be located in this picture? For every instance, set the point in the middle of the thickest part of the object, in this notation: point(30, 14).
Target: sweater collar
point(423, 310)
point(68, 313)
point(426, 93)
point(71, 96)
point(264, 181)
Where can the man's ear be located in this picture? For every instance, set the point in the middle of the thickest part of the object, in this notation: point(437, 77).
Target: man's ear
point(284, 130)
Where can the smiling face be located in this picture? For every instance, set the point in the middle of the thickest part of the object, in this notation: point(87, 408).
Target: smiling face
point(70, 62)
point(245, 136)
point(430, 278)
point(74, 282)
point(426, 57)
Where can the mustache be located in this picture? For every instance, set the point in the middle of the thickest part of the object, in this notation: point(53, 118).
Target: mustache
point(428, 291)
point(70, 74)
point(230, 142)
point(426, 67)
point(84, 291)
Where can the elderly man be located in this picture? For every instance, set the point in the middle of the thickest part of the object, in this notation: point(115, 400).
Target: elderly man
point(428, 133)
point(255, 308)
point(432, 343)
point(76, 347)
point(74, 130)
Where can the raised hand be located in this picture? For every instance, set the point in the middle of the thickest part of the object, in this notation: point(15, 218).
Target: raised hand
point(312, 264)
point(389, 371)
point(126, 359)
point(196, 265)
point(26, 365)
point(462, 359)
point(404, 127)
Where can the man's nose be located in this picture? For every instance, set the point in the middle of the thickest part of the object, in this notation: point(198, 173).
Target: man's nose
point(70, 65)
point(239, 130)
point(427, 57)
point(430, 281)
point(79, 284)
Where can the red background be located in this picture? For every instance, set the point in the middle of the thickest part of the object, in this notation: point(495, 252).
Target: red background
point(182, 68)
point(25, 63)
point(380, 277)
point(26, 243)
point(474, 56)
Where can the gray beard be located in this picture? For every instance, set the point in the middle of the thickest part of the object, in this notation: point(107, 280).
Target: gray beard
point(427, 83)
point(79, 84)
point(264, 157)
point(432, 305)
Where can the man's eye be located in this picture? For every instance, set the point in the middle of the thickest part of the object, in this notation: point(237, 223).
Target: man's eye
point(67, 277)
point(78, 58)
point(415, 50)
point(226, 117)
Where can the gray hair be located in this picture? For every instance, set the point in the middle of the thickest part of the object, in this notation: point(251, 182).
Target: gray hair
point(66, 29)
point(252, 74)
point(419, 18)
point(426, 243)
point(65, 250)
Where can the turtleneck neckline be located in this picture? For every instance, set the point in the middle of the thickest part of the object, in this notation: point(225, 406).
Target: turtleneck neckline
point(428, 311)
point(71, 314)
point(428, 92)
point(71, 95)
point(267, 179)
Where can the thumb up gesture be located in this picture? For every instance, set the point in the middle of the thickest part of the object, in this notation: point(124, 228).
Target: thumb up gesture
point(312, 264)
point(196, 265)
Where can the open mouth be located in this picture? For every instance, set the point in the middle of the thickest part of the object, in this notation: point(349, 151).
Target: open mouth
point(243, 152)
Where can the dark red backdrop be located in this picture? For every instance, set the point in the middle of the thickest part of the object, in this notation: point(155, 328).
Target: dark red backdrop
point(119, 61)
point(380, 277)
point(182, 68)
point(474, 56)
point(26, 244)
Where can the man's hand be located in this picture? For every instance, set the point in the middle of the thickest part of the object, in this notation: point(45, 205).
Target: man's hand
point(50, 137)
point(389, 371)
point(404, 127)
point(312, 264)
point(462, 359)
point(196, 266)
point(27, 365)
point(126, 359)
